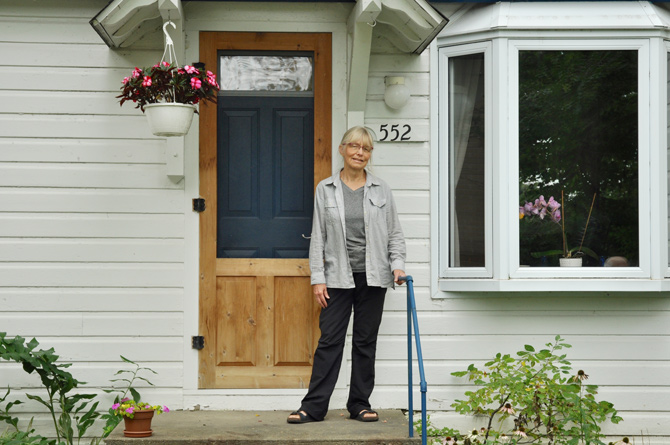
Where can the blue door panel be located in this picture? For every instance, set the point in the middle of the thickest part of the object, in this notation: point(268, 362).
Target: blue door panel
point(265, 176)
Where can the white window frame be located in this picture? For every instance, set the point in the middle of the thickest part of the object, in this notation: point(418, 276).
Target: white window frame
point(660, 159)
point(644, 185)
point(503, 272)
point(444, 54)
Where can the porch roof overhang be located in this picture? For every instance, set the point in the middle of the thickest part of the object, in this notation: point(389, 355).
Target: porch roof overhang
point(410, 25)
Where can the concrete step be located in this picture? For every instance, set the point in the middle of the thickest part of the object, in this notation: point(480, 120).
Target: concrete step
point(269, 427)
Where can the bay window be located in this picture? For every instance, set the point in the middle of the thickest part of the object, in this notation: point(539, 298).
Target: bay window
point(551, 144)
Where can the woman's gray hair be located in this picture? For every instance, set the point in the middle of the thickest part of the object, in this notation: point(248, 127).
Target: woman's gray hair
point(359, 133)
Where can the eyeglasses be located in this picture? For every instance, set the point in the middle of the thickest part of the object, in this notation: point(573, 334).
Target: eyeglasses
point(355, 147)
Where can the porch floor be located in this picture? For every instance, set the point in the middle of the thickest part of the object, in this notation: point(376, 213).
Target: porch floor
point(270, 427)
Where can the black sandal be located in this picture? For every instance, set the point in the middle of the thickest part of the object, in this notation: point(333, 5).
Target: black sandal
point(304, 417)
point(361, 416)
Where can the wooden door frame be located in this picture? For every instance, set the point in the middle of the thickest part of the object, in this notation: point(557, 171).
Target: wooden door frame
point(210, 43)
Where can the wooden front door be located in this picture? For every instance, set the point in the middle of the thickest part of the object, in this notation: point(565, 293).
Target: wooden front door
point(261, 156)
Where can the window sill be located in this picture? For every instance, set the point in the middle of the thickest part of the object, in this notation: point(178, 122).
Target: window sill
point(558, 285)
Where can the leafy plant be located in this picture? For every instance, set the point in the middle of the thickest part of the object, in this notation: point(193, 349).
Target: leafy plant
point(534, 398)
point(71, 413)
point(128, 377)
point(164, 82)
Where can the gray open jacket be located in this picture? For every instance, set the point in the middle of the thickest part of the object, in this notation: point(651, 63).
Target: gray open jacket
point(384, 241)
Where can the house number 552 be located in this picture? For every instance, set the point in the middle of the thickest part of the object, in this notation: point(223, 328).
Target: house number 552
point(395, 132)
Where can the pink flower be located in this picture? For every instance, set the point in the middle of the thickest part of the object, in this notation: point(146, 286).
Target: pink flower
point(507, 409)
point(125, 399)
point(520, 432)
point(116, 406)
point(126, 80)
point(556, 216)
point(191, 69)
point(448, 441)
point(166, 409)
point(137, 72)
point(195, 83)
point(130, 409)
point(166, 64)
point(146, 82)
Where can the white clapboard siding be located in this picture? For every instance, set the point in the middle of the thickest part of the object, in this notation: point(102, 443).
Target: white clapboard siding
point(96, 55)
point(414, 226)
point(73, 324)
point(76, 151)
point(575, 322)
point(411, 201)
point(203, 16)
point(13, 299)
point(396, 64)
point(404, 178)
point(103, 349)
point(406, 153)
point(91, 200)
point(91, 274)
point(62, 30)
point(63, 79)
point(94, 375)
point(601, 373)
point(64, 102)
point(75, 126)
point(70, 9)
point(86, 176)
point(81, 225)
point(482, 347)
point(42, 325)
point(511, 303)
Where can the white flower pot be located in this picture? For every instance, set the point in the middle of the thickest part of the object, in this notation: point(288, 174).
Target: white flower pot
point(570, 262)
point(169, 119)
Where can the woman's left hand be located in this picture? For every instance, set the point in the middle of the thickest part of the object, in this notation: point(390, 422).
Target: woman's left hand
point(397, 273)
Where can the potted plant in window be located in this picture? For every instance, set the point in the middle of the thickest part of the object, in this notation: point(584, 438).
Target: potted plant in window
point(167, 94)
point(549, 210)
point(137, 416)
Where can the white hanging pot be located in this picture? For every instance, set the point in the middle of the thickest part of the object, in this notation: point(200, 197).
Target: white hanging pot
point(570, 262)
point(169, 119)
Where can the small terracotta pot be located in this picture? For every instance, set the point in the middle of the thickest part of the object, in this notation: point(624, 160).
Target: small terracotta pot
point(140, 425)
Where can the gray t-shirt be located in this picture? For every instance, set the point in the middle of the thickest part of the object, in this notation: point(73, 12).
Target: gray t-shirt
point(355, 223)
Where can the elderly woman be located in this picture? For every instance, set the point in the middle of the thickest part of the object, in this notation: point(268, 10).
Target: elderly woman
point(357, 251)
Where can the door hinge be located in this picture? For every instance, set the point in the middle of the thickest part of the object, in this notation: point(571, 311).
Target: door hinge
point(199, 205)
point(198, 342)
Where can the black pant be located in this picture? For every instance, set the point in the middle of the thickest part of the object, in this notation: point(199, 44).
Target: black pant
point(368, 305)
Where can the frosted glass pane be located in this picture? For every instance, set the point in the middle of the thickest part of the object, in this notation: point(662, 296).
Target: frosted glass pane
point(266, 73)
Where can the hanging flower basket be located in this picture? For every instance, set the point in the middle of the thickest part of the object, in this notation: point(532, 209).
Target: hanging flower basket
point(167, 85)
point(169, 119)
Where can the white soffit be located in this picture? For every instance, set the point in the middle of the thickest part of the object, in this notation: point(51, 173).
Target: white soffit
point(410, 25)
point(556, 16)
point(122, 22)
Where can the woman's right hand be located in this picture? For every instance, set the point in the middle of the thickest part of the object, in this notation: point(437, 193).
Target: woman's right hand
point(321, 294)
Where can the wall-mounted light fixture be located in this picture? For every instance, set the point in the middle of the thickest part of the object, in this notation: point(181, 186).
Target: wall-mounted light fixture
point(396, 94)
